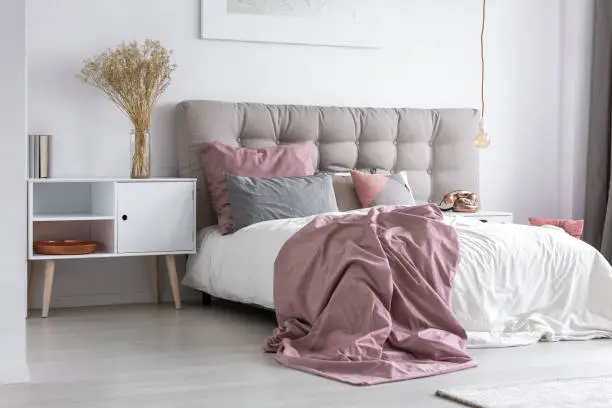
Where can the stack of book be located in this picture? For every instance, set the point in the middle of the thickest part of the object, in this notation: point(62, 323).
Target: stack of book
point(38, 156)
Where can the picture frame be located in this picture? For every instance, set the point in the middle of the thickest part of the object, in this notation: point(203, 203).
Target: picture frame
point(337, 23)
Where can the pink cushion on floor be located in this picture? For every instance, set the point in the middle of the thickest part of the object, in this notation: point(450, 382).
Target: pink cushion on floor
point(572, 227)
point(276, 161)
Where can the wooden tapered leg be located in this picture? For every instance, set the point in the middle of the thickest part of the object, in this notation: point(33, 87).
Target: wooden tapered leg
point(32, 281)
point(171, 265)
point(48, 288)
point(154, 279)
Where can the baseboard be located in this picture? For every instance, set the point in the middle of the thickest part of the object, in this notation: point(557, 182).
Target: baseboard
point(14, 374)
point(100, 300)
point(68, 301)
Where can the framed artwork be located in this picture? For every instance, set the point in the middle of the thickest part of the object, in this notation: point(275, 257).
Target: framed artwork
point(342, 23)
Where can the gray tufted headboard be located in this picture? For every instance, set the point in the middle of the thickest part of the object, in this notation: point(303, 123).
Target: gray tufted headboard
point(434, 146)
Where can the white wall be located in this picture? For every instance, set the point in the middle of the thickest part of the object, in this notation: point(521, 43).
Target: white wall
point(13, 200)
point(431, 59)
point(577, 49)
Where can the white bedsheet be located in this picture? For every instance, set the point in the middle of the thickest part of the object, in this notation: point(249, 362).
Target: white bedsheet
point(515, 284)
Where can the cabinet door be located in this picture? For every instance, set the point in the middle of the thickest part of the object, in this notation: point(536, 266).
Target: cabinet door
point(155, 217)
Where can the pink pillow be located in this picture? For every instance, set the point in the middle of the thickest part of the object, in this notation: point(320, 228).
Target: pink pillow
point(382, 189)
point(572, 227)
point(277, 161)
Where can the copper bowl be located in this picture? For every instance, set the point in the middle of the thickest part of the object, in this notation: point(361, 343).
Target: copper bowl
point(65, 247)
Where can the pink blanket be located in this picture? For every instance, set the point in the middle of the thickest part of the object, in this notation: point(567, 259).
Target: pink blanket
point(364, 299)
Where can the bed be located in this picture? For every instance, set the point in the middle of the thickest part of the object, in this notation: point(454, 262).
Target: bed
point(515, 284)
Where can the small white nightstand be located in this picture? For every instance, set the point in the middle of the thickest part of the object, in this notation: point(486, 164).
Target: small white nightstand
point(488, 216)
point(128, 217)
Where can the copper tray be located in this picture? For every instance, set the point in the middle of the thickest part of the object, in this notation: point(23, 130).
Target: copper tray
point(66, 247)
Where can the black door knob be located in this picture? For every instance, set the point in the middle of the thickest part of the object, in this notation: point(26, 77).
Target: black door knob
point(124, 217)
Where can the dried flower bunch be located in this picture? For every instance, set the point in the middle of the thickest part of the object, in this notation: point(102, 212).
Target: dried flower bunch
point(133, 76)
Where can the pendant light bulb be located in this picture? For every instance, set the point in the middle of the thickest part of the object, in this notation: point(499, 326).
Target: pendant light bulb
point(481, 140)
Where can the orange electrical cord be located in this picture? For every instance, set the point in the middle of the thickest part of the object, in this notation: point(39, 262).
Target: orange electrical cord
point(482, 60)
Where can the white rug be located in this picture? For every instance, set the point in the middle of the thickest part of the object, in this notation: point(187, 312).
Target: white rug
point(577, 392)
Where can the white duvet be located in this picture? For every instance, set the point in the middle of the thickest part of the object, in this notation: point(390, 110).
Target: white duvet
point(515, 284)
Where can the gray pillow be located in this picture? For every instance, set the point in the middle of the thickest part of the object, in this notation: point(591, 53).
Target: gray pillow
point(254, 200)
point(396, 192)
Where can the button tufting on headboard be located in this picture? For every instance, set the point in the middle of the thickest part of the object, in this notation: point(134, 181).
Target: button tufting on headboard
point(435, 147)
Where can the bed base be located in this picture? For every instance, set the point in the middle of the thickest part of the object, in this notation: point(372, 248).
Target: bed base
point(206, 299)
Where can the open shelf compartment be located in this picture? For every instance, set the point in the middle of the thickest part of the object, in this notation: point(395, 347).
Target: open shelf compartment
point(101, 231)
point(74, 201)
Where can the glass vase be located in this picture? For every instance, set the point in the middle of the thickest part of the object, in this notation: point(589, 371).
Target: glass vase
point(141, 153)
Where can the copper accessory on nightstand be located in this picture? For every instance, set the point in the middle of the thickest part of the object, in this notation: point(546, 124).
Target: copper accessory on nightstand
point(460, 201)
point(66, 247)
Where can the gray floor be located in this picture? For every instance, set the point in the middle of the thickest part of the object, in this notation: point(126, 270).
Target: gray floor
point(154, 357)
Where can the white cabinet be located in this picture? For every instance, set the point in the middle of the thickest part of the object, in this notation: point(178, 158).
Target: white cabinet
point(125, 217)
point(155, 217)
